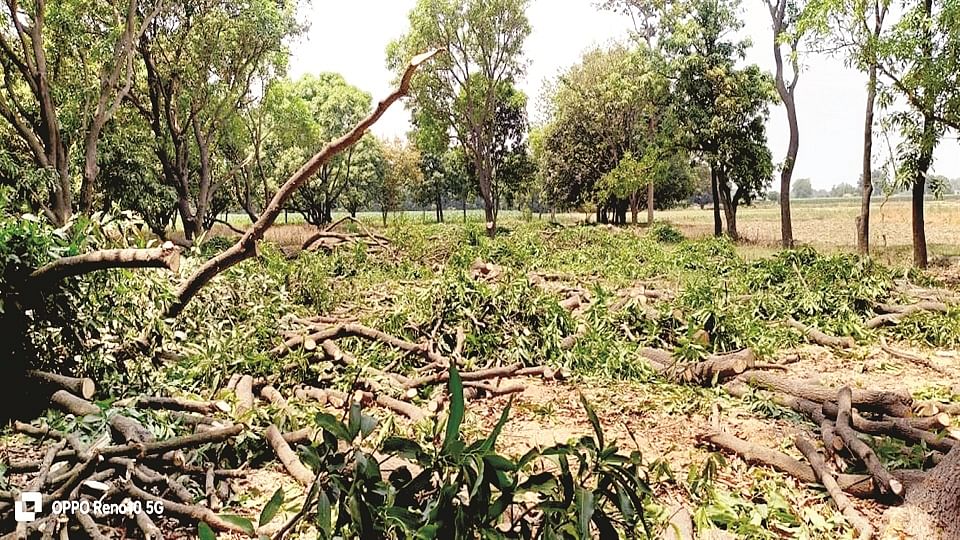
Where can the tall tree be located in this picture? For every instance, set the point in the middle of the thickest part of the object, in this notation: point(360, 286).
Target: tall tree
point(783, 16)
point(722, 108)
point(66, 68)
point(200, 61)
point(402, 170)
point(919, 58)
point(484, 44)
point(854, 27)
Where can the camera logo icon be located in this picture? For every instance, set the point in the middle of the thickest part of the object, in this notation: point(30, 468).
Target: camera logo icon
point(28, 499)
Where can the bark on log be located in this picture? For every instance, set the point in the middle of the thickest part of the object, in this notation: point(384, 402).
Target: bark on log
point(178, 404)
point(288, 457)
point(884, 480)
point(939, 495)
point(89, 526)
point(167, 256)
point(679, 525)
point(244, 392)
point(893, 313)
point(246, 246)
point(272, 395)
point(81, 386)
point(836, 493)
point(891, 403)
point(715, 368)
point(148, 527)
point(129, 429)
point(193, 513)
point(819, 337)
point(858, 485)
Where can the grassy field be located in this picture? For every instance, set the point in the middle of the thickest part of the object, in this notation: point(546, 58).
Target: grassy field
point(826, 224)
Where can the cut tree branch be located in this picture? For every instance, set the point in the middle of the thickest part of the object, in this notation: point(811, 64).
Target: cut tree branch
point(167, 256)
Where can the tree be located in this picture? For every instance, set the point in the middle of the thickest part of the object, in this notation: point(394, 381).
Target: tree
point(200, 60)
point(919, 57)
point(722, 109)
point(66, 69)
point(783, 15)
point(802, 189)
point(402, 169)
point(854, 26)
point(433, 142)
point(484, 44)
point(305, 114)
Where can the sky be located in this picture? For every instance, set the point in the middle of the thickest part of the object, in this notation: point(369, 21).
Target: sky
point(350, 37)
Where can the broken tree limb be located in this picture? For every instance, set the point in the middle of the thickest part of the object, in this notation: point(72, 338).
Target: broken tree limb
point(716, 367)
point(288, 457)
point(884, 480)
point(409, 410)
point(836, 493)
point(244, 393)
point(189, 512)
point(343, 330)
point(892, 313)
point(820, 338)
point(81, 386)
point(858, 485)
point(246, 246)
point(478, 375)
point(178, 404)
point(167, 256)
point(891, 403)
point(129, 429)
point(910, 357)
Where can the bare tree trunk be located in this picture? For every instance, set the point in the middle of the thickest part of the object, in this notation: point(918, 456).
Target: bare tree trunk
point(863, 220)
point(939, 494)
point(717, 223)
point(650, 203)
point(919, 232)
point(786, 92)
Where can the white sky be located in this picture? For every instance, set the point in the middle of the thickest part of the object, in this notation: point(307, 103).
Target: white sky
point(350, 37)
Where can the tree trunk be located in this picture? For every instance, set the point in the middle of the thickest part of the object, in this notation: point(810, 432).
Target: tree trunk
point(650, 204)
point(863, 220)
point(786, 92)
point(919, 233)
point(634, 206)
point(939, 494)
point(717, 223)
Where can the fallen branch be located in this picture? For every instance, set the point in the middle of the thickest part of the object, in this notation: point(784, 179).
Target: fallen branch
point(715, 368)
point(910, 357)
point(244, 393)
point(82, 386)
point(129, 429)
point(246, 246)
point(167, 256)
point(189, 512)
point(891, 403)
point(836, 493)
point(859, 448)
point(177, 404)
point(858, 485)
point(287, 456)
point(820, 338)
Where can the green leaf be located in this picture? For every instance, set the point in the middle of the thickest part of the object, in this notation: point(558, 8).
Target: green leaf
point(491, 441)
point(272, 507)
point(330, 424)
point(585, 508)
point(204, 532)
point(403, 447)
point(239, 521)
point(367, 425)
point(310, 457)
point(457, 408)
point(594, 421)
point(499, 462)
point(324, 513)
point(353, 420)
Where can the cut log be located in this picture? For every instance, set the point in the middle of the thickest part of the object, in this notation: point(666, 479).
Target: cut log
point(679, 524)
point(244, 392)
point(178, 404)
point(272, 395)
point(715, 368)
point(884, 480)
point(167, 256)
point(129, 429)
point(858, 485)
point(820, 338)
point(192, 513)
point(891, 403)
point(893, 313)
point(836, 493)
point(288, 457)
point(81, 386)
point(939, 495)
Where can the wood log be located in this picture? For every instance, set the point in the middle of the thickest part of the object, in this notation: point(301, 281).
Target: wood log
point(715, 368)
point(192, 513)
point(288, 457)
point(884, 480)
point(81, 386)
point(89, 526)
point(891, 403)
point(679, 525)
point(820, 338)
point(272, 395)
point(178, 404)
point(836, 493)
point(147, 526)
point(301, 436)
point(910, 357)
point(167, 256)
point(244, 392)
point(129, 429)
point(893, 313)
point(858, 485)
